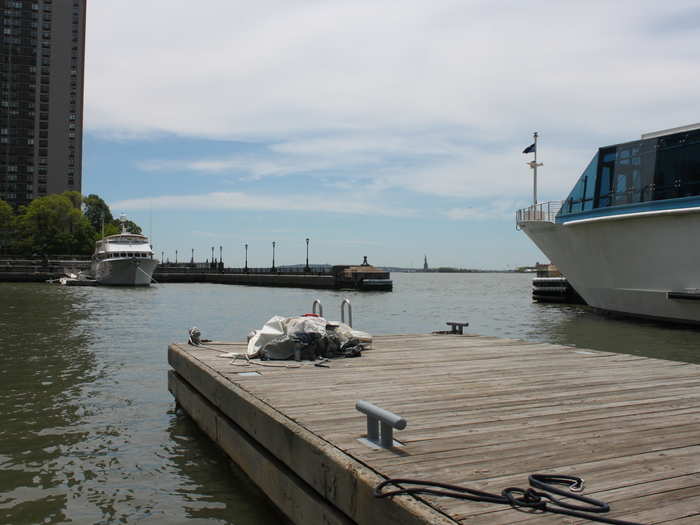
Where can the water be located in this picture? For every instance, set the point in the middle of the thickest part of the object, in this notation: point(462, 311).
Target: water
point(89, 432)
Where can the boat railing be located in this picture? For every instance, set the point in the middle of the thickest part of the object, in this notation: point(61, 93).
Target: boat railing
point(540, 212)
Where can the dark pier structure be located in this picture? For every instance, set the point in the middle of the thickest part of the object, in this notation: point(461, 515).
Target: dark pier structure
point(550, 286)
point(363, 277)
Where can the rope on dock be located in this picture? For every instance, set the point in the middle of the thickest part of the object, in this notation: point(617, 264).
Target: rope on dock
point(515, 497)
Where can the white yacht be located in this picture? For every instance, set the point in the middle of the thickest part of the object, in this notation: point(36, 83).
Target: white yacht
point(627, 236)
point(123, 259)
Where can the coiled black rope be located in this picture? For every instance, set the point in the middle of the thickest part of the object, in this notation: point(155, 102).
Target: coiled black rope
point(537, 500)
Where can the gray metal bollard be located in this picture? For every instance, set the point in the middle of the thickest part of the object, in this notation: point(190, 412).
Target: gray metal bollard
point(378, 416)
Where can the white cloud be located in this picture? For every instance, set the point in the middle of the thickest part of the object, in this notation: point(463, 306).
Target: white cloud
point(498, 210)
point(353, 204)
point(440, 165)
point(437, 98)
point(279, 68)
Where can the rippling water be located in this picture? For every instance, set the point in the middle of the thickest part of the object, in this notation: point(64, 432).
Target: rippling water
point(89, 433)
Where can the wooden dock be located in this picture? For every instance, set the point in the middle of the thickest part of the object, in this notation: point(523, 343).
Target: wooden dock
point(482, 412)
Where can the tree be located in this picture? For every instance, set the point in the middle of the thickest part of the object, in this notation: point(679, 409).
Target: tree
point(53, 225)
point(96, 210)
point(7, 219)
point(75, 198)
point(58, 224)
point(129, 226)
point(110, 229)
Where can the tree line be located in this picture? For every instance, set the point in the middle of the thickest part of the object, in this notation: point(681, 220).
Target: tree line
point(60, 224)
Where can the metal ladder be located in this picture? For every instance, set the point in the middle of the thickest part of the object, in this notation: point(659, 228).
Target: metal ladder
point(345, 302)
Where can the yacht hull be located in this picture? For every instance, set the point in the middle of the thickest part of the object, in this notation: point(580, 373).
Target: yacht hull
point(125, 272)
point(643, 265)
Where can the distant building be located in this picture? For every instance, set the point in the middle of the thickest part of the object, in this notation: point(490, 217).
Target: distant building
point(425, 263)
point(42, 52)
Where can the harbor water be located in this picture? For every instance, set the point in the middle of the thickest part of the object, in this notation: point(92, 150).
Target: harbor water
point(89, 430)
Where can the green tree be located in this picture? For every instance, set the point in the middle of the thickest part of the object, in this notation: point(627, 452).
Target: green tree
point(129, 226)
point(75, 198)
point(7, 226)
point(96, 210)
point(53, 225)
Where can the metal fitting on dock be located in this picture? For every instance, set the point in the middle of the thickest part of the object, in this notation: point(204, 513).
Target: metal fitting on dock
point(320, 307)
point(388, 421)
point(345, 302)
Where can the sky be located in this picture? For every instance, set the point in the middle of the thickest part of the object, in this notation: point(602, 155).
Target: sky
point(392, 130)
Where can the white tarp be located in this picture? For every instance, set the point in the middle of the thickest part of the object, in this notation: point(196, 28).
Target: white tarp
point(278, 326)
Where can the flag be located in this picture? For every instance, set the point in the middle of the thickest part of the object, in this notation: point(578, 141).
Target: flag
point(530, 148)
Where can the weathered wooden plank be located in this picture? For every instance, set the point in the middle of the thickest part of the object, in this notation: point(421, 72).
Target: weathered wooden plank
point(286, 490)
point(334, 475)
point(486, 412)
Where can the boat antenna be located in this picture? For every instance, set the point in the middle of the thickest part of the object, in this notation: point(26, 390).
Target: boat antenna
point(150, 221)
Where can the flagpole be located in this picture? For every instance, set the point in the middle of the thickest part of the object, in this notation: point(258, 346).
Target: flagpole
point(534, 178)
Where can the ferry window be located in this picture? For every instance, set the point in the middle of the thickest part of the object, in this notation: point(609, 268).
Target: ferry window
point(590, 174)
point(604, 191)
point(610, 157)
point(691, 168)
point(647, 163)
point(621, 189)
point(576, 196)
point(660, 168)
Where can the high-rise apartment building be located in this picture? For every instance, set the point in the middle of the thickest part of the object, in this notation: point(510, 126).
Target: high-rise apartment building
point(42, 51)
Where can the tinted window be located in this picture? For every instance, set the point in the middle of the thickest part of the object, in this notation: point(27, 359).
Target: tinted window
point(653, 169)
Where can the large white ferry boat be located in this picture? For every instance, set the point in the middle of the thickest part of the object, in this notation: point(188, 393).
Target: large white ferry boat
point(627, 236)
point(123, 259)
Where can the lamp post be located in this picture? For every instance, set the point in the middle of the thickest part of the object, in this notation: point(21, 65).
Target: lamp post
point(162, 257)
point(273, 255)
point(246, 258)
point(192, 259)
point(175, 256)
point(306, 269)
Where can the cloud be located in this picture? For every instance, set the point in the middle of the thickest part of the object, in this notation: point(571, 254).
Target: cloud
point(435, 98)
point(438, 165)
point(353, 204)
point(238, 70)
point(494, 210)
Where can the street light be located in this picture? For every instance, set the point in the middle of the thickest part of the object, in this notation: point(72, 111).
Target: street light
point(307, 256)
point(192, 259)
point(246, 258)
point(221, 255)
point(273, 255)
point(175, 256)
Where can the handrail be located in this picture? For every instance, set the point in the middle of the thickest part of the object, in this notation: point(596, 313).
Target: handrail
point(540, 212)
point(320, 307)
point(342, 311)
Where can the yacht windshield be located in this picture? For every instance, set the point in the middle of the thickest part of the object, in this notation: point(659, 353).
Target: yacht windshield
point(654, 169)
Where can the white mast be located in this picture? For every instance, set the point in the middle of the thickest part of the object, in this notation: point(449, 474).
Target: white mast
point(533, 164)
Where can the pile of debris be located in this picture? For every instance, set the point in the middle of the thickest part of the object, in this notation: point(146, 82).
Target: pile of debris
point(308, 337)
